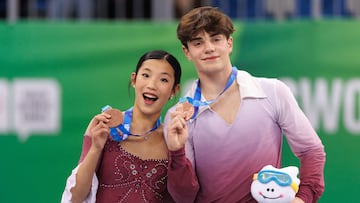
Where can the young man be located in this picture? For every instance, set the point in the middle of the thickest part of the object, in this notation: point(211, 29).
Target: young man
point(237, 124)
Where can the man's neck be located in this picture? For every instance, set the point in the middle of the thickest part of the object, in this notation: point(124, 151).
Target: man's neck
point(213, 84)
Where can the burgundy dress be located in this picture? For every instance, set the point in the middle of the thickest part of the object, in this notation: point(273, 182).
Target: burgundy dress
point(124, 177)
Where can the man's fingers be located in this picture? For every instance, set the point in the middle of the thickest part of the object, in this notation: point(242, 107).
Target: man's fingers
point(178, 122)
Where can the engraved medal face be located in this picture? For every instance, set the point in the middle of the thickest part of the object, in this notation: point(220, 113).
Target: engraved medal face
point(188, 110)
point(116, 119)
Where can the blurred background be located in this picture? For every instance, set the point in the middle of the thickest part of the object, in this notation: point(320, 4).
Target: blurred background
point(61, 61)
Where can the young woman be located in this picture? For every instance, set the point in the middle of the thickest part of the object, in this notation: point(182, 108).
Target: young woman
point(134, 167)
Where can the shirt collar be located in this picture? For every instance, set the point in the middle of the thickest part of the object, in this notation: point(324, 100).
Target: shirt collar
point(249, 87)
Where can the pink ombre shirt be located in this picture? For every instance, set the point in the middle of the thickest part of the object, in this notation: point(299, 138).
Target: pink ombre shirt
point(219, 159)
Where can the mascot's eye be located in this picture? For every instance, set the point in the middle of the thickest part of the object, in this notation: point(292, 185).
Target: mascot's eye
point(280, 178)
point(283, 178)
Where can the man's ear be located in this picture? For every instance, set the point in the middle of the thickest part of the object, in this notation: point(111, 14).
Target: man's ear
point(186, 52)
point(230, 44)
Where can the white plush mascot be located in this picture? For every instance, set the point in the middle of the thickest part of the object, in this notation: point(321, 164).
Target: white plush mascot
point(273, 185)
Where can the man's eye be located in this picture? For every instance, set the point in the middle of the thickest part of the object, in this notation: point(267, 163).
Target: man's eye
point(196, 43)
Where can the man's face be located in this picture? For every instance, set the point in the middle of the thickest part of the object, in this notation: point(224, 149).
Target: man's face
point(209, 51)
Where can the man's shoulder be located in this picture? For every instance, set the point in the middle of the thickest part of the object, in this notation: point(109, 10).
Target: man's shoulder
point(262, 80)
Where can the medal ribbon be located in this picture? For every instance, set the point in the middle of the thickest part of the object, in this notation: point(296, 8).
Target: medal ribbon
point(196, 101)
point(126, 126)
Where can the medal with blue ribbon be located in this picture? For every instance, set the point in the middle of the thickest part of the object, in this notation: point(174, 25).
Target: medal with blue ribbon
point(196, 101)
point(120, 124)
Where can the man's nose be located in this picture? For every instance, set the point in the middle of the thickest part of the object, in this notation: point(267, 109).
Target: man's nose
point(209, 47)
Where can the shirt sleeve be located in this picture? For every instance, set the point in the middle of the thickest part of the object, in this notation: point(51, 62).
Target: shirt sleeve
point(182, 181)
point(70, 183)
point(85, 147)
point(71, 180)
point(304, 142)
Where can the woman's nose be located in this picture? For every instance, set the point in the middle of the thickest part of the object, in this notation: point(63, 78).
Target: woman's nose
point(151, 84)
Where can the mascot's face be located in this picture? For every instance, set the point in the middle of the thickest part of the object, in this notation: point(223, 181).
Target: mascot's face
point(272, 185)
point(271, 192)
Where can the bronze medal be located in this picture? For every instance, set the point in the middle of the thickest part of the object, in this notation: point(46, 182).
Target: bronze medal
point(116, 119)
point(188, 110)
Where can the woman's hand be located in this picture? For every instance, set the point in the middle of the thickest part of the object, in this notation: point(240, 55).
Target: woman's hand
point(177, 131)
point(98, 130)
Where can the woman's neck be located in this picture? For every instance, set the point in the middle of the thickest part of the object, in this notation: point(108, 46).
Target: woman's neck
point(142, 123)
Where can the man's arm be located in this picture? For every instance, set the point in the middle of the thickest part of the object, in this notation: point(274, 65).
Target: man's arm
point(311, 175)
point(305, 144)
point(182, 182)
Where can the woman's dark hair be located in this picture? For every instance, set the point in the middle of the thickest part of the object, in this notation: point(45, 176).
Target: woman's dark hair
point(160, 54)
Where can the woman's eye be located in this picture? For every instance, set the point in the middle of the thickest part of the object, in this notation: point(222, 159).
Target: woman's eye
point(145, 75)
point(164, 80)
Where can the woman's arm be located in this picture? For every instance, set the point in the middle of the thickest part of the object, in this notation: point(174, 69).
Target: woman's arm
point(98, 131)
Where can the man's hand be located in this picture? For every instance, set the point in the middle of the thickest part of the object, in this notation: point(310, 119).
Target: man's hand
point(297, 200)
point(177, 131)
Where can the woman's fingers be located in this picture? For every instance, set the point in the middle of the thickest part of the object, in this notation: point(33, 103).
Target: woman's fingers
point(100, 134)
point(102, 128)
point(103, 117)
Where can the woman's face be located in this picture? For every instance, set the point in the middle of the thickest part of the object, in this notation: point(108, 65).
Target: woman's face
point(153, 85)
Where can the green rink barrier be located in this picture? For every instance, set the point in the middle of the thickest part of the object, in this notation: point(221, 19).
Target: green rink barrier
point(55, 76)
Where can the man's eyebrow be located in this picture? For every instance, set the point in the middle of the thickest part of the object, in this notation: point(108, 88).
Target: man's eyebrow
point(214, 34)
point(195, 38)
point(199, 38)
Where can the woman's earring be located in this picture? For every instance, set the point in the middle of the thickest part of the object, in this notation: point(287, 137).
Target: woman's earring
point(172, 96)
